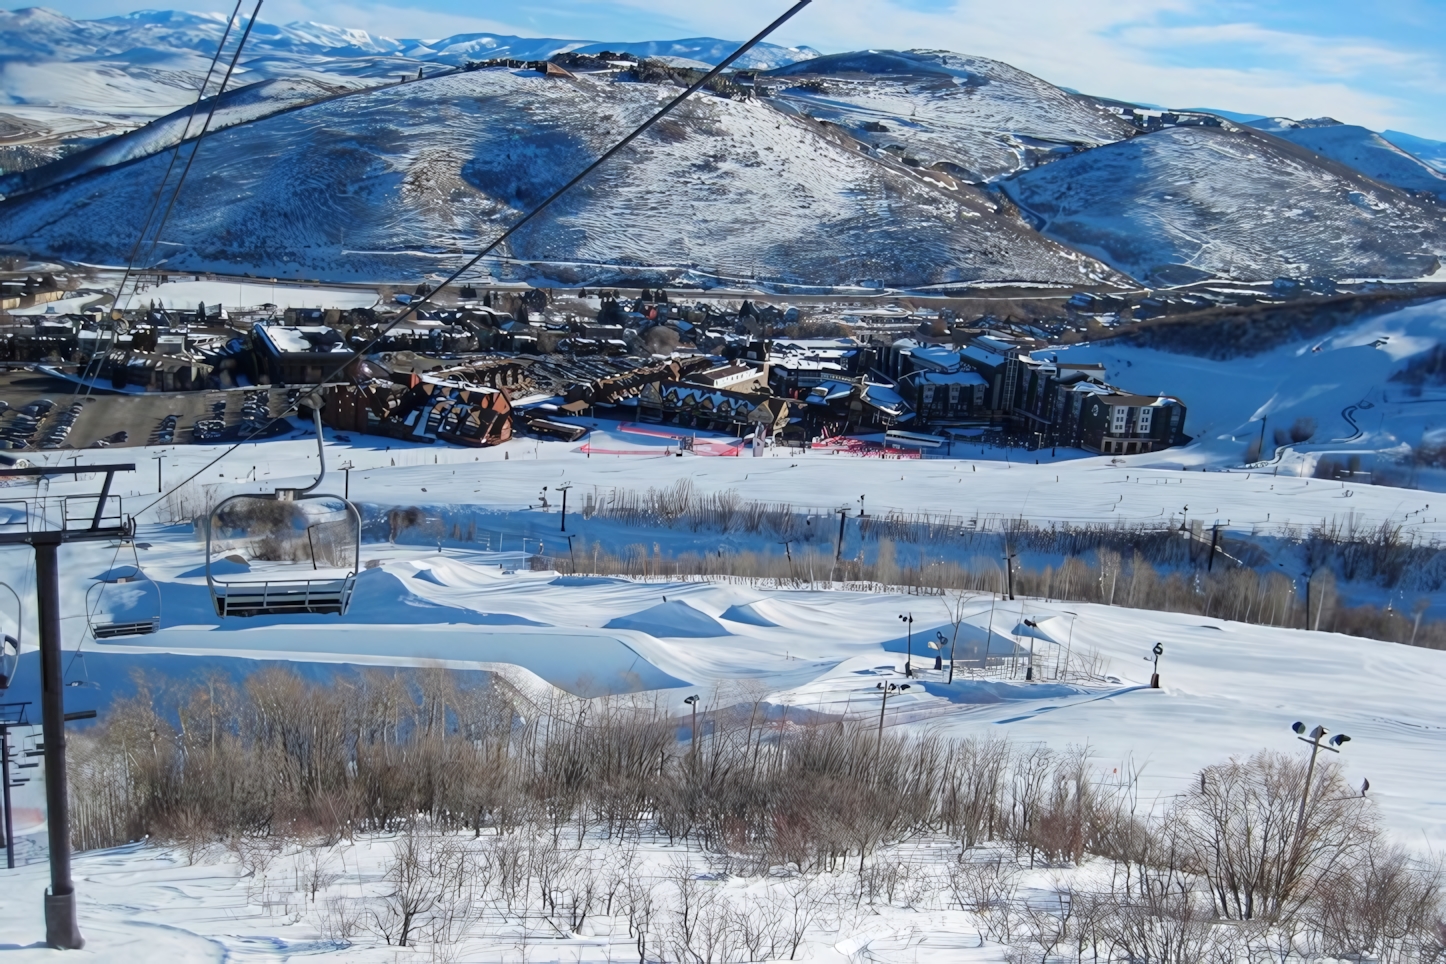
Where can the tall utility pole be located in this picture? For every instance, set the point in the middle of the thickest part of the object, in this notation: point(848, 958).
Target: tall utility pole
point(838, 551)
point(563, 489)
point(1009, 558)
point(61, 928)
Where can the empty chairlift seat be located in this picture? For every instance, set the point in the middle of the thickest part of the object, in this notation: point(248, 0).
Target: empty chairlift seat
point(281, 553)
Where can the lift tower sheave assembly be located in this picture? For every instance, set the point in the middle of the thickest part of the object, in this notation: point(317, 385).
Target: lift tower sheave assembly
point(50, 522)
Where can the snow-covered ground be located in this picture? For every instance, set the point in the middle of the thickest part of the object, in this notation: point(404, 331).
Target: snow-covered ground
point(472, 604)
point(1228, 688)
point(1341, 380)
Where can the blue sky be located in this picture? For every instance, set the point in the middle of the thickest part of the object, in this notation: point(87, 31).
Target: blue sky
point(1380, 63)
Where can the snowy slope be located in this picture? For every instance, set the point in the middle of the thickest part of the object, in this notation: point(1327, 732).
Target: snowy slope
point(1191, 202)
point(237, 106)
point(1432, 152)
point(1342, 381)
point(825, 649)
point(1366, 151)
point(101, 77)
point(972, 117)
point(412, 174)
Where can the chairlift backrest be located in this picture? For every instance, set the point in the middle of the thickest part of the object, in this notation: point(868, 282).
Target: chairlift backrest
point(10, 645)
point(267, 554)
point(132, 620)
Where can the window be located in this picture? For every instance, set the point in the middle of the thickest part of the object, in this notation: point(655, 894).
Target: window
point(1145, 415)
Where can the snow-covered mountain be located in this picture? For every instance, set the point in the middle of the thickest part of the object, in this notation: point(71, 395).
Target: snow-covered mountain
point(974, 118)
point(1432, 152)
point(396, 181)
point(906, 167)
point(1366, 151)
point(63, 79)
point(1186, 203)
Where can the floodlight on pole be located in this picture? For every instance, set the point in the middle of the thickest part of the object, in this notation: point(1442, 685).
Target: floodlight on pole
point(908, 620)
point(1314, 738)
point(1156, 652)
point(1029, 668)
point(693, 702)
point(886, 689)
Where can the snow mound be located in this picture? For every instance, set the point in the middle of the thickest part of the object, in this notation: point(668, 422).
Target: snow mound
point(219, 567)
point(671, 619)
point(746, 614)
point(982, 691)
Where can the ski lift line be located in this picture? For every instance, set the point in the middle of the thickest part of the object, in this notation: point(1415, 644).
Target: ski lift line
point(210, 114)
point(418, 303)
point(99, 355)
point(175, 154)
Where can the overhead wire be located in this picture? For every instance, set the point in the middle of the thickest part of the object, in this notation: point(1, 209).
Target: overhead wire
point(98, 356)
point(414, 306)
point(210, 114)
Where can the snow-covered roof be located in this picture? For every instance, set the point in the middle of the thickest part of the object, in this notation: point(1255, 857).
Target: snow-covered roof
point(939, 357)
point(885, 399)
point(305, 338)
point(949, 378)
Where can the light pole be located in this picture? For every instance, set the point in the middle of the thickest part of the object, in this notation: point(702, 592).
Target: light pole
point(909, 645)
point(1314, 739)
point(563, 489)
point(1029, 667)
point(843, 514)
point(1069, 644)
point(693, 743)
point(886, 688)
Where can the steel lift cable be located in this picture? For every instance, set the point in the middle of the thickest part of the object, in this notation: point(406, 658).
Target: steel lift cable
point(156, 198)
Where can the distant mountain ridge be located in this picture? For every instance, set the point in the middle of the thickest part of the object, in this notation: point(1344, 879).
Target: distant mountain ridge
point(38, 31)
point(341, 154)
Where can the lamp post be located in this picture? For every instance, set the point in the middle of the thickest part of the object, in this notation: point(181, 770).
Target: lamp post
point(886, 689)
point(1156, 651)
point(909, 645)
point(693, 743)
point(563, 489)
point(1029, 667)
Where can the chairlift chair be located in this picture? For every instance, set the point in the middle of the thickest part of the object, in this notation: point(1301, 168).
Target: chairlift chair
point(10, 645)
point(299, 551)
point(136, 613)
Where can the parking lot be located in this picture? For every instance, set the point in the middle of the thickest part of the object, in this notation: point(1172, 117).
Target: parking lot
point(39, 413)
